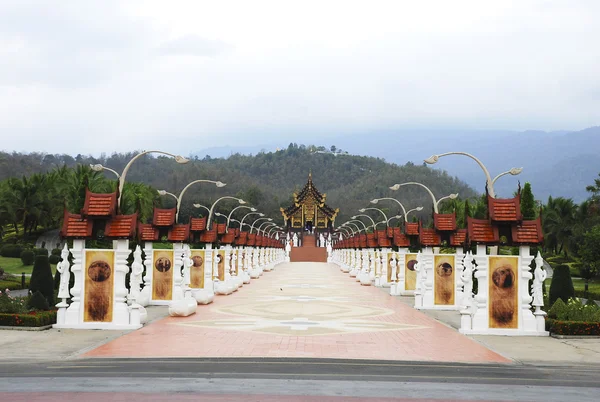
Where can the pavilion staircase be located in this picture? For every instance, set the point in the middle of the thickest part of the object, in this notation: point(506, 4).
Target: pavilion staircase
point(308, 252)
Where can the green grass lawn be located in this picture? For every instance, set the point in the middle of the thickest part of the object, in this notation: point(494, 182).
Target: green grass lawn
point(14, 266)
point(579, 284)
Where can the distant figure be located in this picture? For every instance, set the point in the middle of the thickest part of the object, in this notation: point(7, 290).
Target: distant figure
point(321, 240)
point(295, 240)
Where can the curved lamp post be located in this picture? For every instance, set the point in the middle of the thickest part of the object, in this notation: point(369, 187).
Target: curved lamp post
point(266, 225)
point(490, 183)
point(271, 230)
point(98, 168)
point(259, 219)
point(212, 207)
point(375, 209)
point(367, 216)
point(178, 159)
point(248, 214)
point(404, 212)
point(233, 210)
point(200, 206)
point(358, 229)
point(179, 198)
point(344, 227)
point(435, 202)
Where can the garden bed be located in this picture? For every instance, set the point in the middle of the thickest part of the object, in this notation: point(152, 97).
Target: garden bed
point(31, 319)
point(578, 328)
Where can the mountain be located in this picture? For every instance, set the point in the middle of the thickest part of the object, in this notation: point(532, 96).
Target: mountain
point(558, 163)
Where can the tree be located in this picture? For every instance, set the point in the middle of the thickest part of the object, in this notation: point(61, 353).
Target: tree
point(590, 255)
point(41, 278)
point(561, 286)
point(527, 203)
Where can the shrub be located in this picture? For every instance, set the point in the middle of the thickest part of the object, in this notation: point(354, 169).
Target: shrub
point(40, 251)
point(594, 295)
point(558, 309)
point(27, 257)
point(11, 250)
point(54, 259)
point(562, 285)
point(38, 302)
point(41, 278)
point(572, 327)
point(11, 305)
point(56, 251)
point(32, 319)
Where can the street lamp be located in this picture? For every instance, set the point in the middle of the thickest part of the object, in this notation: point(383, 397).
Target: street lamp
point(266, 225)
point(201, 206)
point(163, 192)
point(371, 219)
point(271, 230)
point(212, 207)
point(490, 183)
point(435, 202)
point(98, 168)
point(248, 214)
point(238, 207)
point(358, 229)
point(344, 227)
point(404, 212)
point(259, 219)
point(178, 159)
point(375, 209)
point(348, 231)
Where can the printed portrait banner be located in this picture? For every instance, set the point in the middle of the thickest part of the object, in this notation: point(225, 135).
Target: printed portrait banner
point(443, 280)
point(98, 286)
point(197, 269)
point(410, 275)
point(162, 275)
point(503, 304)
point(220, 265)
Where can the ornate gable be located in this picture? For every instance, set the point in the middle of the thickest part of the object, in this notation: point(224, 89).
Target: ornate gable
point(309, 205)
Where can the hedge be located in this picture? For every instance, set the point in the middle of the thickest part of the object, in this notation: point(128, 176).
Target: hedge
point(572, 327)
point(32, 319)
point(13, 283)
point(594, 295)
point(27, 257)
point(11, 250)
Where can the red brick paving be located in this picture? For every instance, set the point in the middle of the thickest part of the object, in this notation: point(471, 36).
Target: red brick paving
point(431, 341)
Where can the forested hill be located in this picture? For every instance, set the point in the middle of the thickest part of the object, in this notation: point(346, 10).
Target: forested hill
point(266, 180)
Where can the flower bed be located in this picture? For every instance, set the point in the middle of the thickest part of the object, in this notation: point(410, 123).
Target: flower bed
point(572, 327)
point(573, 318)
point(14, 312)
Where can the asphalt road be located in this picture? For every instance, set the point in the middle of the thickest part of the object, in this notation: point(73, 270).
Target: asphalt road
point(293, 377)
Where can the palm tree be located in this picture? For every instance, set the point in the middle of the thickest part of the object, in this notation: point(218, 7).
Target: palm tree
point(559, 220)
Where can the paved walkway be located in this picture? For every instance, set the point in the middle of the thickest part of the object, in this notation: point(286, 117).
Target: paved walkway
point(302, 310)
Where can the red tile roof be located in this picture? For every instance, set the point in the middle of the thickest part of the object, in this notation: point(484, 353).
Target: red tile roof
point(221, 228)
point(228, 237)
point(251, 239)
point(198, 224)
point(458, 238)
point(208, 236)
point(179, 232)
point(505, 209)
point(99, 205)
point(147, 232)
point(401, 240)
point(529, 232)
point(411, 228)
point(121, 226)
point(429, 237)
point(75, 226)
point(482, 231)
point(164, 217)
point(444, 222)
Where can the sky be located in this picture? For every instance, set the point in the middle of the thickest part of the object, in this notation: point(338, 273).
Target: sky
point(120, 75)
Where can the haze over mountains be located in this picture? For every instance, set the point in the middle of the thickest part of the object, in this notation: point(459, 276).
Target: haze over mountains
point(555, 163)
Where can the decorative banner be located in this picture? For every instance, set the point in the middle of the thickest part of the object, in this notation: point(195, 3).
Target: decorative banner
point(99, 279)
point(197, 269)
point(443, 280)
point(410, 276)
point(162, 275)
point(221, 264)
point(389, 269)
point(503, 292)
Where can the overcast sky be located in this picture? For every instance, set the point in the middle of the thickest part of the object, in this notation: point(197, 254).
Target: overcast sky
point(98, 76)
